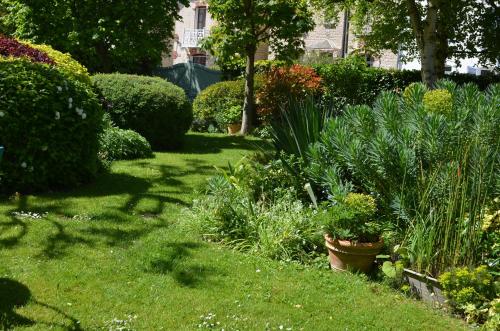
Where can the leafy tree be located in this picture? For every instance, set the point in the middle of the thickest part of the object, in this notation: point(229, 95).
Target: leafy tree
point(433, 30)
point(104, 35)
point(242, 25)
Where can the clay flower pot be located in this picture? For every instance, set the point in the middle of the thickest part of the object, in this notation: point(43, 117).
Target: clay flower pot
point(347, 255)
point(234, 128)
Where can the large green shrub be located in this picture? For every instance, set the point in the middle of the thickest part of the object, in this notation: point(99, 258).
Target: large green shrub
point(155, 108)
point(49, 125)
point(219, 97)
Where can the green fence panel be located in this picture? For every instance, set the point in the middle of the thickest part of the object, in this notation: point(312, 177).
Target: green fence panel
point(192, 77)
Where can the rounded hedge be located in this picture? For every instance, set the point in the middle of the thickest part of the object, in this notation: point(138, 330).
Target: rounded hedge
point(119, 144)
point(151, 106)
point(438, 101)
point(220, 98)
point(49, 126)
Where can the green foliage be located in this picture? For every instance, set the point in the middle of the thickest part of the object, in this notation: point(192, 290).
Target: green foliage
point(469, 291)
point(49, 126)
point(285, 23)
point(119, 144)
point(280, 230)
point(438, 101)
point(352, 218)
point(425, 169)
point(219, 97)
point(229, 116)
point(155, 108)
point(366, 84)
point(125, 36)
point(299, 126)
point(65, 63)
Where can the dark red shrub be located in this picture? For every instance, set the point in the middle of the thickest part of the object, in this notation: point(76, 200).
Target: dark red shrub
point(285, 83)
point(12, 47)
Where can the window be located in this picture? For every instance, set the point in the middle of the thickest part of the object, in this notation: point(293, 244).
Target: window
point(201, 17)
point(199, 59)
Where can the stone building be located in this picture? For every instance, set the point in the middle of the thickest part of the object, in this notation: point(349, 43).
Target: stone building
point(335, 40)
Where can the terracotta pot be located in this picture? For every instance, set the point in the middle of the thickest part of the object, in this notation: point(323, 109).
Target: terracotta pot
point(234, 128)
point(347, 255)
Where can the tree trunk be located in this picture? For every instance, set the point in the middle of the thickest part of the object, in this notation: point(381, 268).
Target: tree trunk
point(429, 48)
point(249, 105)
point(432, 42)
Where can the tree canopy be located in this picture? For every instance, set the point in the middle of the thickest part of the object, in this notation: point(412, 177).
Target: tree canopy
point(431, 30)
point(242, 25)
point(104, 35)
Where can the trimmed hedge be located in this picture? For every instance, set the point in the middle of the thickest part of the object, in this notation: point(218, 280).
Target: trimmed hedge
point(49, 125)
point(350, 81)
point(151, 106)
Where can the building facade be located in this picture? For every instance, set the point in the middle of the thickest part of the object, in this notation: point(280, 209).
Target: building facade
point(336, 40)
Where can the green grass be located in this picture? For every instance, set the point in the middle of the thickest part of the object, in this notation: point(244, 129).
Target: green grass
point(118, 248)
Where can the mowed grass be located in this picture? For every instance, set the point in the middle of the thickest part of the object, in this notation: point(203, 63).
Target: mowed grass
point(116, 253)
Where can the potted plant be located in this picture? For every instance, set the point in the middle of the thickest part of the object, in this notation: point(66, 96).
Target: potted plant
point(230, 117)
point(352, 232)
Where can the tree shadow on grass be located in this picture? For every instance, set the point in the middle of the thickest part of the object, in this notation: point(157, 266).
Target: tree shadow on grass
point(177, 264)
point(14, 295)
point(213, 144)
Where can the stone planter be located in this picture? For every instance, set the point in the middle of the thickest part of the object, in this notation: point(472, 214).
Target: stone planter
point(426, 288)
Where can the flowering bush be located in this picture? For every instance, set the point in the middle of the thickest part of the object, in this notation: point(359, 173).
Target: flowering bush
point(285, 83)
point(12, 48)
point(49, 126)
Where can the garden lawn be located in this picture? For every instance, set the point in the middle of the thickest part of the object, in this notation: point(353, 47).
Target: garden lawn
point(116, 253)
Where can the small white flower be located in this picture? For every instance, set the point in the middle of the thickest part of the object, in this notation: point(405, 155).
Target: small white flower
point(84, 116)
point(2, 114)
point(70, 100)
point(70, 105)
point(58, 115)
point(258, 270)
point(59, 88)
point(113, 46)
point(23, 165)
point(45, 148)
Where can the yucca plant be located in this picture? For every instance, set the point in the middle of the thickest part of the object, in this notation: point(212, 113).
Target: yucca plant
point(299, 126)
point(432, 171)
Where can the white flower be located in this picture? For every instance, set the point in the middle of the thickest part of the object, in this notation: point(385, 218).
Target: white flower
point(113, 46)
point(23, 165)
point(70, 100)
point(2, 114)
point(84, 116)
point(59, 88)
point(70, 105)
point(58, 115)
point(79, 111)
point(258, 270)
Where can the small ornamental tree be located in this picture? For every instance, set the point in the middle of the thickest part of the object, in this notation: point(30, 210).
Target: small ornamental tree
point(242, 25)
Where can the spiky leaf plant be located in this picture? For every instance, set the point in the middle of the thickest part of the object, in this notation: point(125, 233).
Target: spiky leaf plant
point(433, 173)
